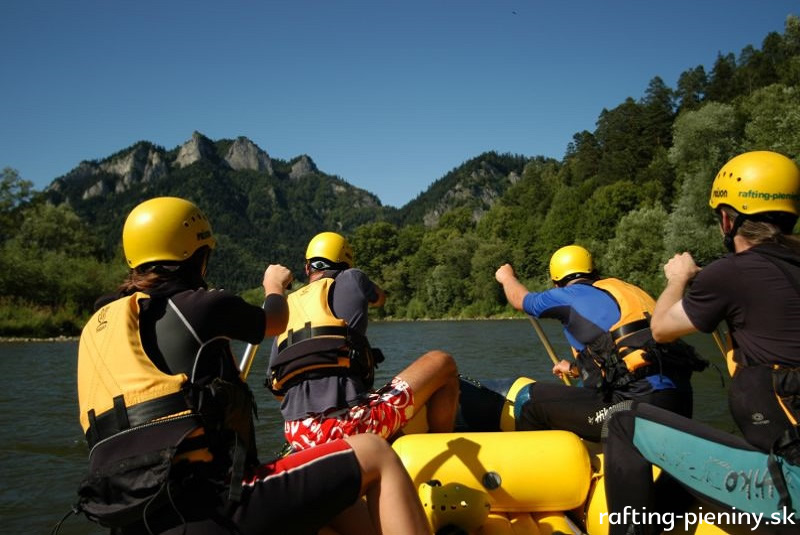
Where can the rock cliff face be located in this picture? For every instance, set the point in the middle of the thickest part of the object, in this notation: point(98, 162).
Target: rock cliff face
point(302, 167)
point(244, 154)
point(479, 191)
point(197, 148)
point(144, 163)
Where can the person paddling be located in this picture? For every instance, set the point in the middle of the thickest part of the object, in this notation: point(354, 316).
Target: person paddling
point(169, 418)
point(755, 289)
point(606, 321)
point(322, 366)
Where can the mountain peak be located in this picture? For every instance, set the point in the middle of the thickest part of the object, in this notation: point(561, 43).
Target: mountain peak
point(303, 166)
point(197, 148)
point(244, 154)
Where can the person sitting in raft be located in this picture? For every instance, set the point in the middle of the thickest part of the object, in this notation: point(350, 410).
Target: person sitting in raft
point(755, 289)
point(322, 365)
point(606, 321)
point(170, 421)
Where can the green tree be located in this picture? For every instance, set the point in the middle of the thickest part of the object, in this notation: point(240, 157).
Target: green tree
point(557, 229)
point(623, 147)
point(789, 67)
point(582, 158)
point(704, 139)
point(374, 247)
point(485, 294)
point(658, 112)
point(14, 192)
point(691, 225)
point(56, 228)
point(773, 115)
point(604, 209)
point(636, 252)
point(691, 88)
point(722, 83)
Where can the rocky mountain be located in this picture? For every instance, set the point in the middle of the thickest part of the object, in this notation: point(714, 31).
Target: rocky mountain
point(474, 185)
point(263, 209)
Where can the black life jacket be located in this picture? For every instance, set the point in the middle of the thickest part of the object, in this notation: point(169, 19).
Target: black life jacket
point(317, 343)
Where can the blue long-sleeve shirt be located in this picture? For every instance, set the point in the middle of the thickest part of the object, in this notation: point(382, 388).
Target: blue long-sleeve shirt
point(585, 312)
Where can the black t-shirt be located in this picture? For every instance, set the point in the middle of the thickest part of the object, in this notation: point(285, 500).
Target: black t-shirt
point(758, 301)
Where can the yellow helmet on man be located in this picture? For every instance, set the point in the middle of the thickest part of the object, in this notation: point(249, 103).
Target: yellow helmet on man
point(165, 229)
point(570, 260)
point(757, 182)
point(332, 247)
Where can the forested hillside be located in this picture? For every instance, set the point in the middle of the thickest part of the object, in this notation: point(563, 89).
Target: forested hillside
point(634, 191)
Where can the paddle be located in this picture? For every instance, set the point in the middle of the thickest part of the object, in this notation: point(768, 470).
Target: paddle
point(720, 344)
point(248, 356)
point(548, 347)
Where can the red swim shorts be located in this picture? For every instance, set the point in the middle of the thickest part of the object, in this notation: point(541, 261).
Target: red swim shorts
point(382, 412)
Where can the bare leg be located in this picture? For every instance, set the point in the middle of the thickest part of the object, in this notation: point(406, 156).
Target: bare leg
point(433, 379)
point(391, 497)
point(355, 519)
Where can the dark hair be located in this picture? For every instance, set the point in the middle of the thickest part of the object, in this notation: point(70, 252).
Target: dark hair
point(148, 276)
point(574, 276)
point(768, 227)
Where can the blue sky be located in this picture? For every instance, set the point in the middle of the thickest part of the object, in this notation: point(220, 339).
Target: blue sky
point(389, 96)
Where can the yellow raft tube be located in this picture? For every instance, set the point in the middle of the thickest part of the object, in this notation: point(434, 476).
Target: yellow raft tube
point(509, 483)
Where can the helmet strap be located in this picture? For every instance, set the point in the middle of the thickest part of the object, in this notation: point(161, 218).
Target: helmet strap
point(575, 276)
point(320, 265)
point(323, 264)
point(728, 239)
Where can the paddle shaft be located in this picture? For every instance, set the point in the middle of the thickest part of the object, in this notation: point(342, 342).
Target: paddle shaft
point(720, 344)
point(247, 360)
point(548, 347)
point(248, 356)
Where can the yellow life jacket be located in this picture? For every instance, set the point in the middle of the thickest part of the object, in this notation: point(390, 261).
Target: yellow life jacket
point(115, 372)
point(127, 403)
point(628, 352)
point(119, 387)
point(632, 330)
point(315, 340)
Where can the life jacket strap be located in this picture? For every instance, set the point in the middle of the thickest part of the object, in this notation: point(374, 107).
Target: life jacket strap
point(630, 328)
point(121, 417)
point(293, 337)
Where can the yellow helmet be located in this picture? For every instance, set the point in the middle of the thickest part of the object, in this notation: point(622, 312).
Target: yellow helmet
point(332, 247)
point(165, 229)
point(757, 182)
point(570, 260)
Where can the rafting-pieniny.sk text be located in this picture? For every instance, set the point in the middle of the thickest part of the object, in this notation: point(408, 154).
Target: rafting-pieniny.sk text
point(667, 520)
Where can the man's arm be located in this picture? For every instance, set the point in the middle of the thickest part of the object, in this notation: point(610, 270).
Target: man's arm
point(515, 291)
point(670, 321)
point(276, 279)
point(381, 299)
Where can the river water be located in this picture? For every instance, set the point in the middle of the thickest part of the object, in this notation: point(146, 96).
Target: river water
point(43, 452)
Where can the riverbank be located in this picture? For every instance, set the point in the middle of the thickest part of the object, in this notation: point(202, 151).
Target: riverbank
point(8, 339)
point(63, 338)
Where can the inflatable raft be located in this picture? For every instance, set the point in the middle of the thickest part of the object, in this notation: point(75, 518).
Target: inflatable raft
point(481, 481)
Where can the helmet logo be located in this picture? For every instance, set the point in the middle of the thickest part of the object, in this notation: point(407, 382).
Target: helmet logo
point(102, 322)
point(719, 193)
point(767, 196)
